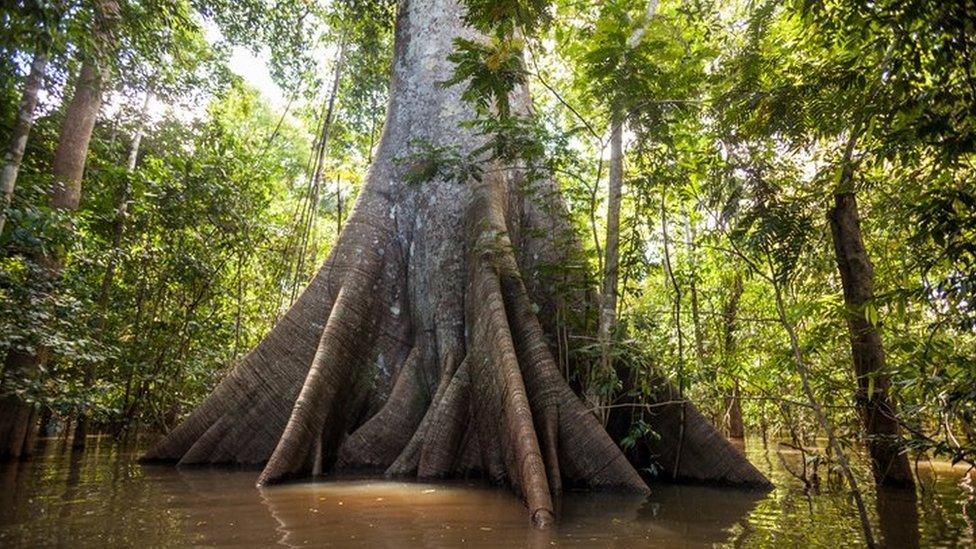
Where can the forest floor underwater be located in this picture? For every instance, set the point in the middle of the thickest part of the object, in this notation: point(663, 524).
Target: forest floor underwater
point(103, 497)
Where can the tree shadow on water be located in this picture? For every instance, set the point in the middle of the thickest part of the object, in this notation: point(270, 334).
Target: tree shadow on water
point(898, 519)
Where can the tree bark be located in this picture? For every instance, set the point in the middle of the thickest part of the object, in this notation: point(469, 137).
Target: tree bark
point(418, 349)
point(690, 243)
point(21, 131)
point(68, 167)
point(733, 406)
point(72, 151)
point(888, 463)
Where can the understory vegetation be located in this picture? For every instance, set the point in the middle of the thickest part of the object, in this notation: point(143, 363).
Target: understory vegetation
point(720, 163)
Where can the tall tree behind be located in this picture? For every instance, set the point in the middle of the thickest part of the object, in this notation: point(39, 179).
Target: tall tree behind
point(34, 23)
point(866, 112)
point(730, 313)
point(888, 464)
point(608, 296)
point(877, 410)
point(68, 166)
point(21, 130)
point(611, 263)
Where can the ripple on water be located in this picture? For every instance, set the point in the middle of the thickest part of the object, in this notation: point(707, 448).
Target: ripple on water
point(103, 497)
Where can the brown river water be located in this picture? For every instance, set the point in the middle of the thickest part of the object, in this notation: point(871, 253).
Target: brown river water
point(104, 498)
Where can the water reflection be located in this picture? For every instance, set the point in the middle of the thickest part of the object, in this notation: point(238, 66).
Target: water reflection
point(102, 497)
point(398, 514)
point(898, 518)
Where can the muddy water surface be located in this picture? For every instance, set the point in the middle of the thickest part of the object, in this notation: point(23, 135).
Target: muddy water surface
point(104, 498)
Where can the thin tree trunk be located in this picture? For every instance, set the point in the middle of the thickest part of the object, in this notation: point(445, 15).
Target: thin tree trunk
point(118, 231)
point(240, 306)
point(608, 296)
point(68, 167)
point(693, 288)
point(76, 132)
point(372, 131)
point(669, 272)
point(319, 166)
point(818, 412)
point(737, 428)
point(338, 196)
point(877, 410)
point(677, 423)
point(733, 406)
point(44, 425)
point(122, 420)
point(889, 464)
point(21, 131)
point(610, 265)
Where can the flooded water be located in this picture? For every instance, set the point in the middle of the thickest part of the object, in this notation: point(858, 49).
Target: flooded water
point(104, 498)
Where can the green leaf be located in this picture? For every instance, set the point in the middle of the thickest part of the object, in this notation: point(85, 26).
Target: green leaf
point(871, 313)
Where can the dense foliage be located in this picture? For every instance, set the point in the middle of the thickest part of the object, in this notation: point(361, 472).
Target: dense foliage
point(744, 121)
point(176, 268)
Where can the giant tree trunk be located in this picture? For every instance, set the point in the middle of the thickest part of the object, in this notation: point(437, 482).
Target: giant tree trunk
point(888, 463)
point(68, 166)
point(21, 131)
point(417, 350)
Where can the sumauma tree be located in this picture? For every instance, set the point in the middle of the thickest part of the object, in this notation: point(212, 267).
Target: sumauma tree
point(422, 346)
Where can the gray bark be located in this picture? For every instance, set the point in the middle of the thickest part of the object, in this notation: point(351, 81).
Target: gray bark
point(417, 349)
point(21, 131)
